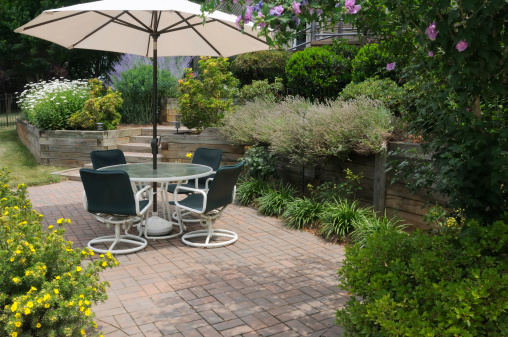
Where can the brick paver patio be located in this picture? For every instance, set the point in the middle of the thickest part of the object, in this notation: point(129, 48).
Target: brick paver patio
point(271, 282)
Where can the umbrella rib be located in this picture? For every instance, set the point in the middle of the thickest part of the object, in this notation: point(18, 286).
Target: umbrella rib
point(99, 28)
point(54, 20)
point(125, 23)
point(254, 37)
point(168, 28)
point(148, 29)
point(201, 36)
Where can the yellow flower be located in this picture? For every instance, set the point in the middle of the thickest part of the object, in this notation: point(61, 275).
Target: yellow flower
point(59, 221)
point(12, 259)
point(27, 311)
point(14, 306)
point(82, 331)
point(30, 304)
point(6, 213)
point(87, 312)
point(104, 264)
point(17, 324)
point(38, 325)
point(14, 334)
point(78, 269)
point(50, 226)
point(56, 291)
point(46, 305)
point(188, 155)
point(15, 280)
point(58, 277)
point(18, 251)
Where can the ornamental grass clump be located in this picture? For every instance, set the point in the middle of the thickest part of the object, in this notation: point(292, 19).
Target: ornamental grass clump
point(45, 288)
point(49, 104)
point(308, 133)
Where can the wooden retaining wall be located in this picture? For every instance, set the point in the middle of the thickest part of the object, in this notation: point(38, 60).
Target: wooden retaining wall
point(377, 188)
point(72, 149)
point(176, 146)
point(69, 148)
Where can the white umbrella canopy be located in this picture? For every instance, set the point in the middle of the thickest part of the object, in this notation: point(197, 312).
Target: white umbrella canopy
point(126, 26)
point(148, 28)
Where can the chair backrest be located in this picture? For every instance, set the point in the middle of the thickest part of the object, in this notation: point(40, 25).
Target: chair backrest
point(108, 192)
point(101, 158)
point(223, 186)
point(208, 157)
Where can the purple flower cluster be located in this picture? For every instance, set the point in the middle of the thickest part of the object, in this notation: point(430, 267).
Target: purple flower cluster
point(462, 45)
point(390, 66)
point(296, 7)
point(277, 10)
point(258, 6)
point(431, 31)
point(351, 7)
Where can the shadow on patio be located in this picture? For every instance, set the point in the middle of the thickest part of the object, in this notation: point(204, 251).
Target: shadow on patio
point(271, 282)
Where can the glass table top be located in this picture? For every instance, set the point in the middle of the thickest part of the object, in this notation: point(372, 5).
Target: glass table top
point(165, 171)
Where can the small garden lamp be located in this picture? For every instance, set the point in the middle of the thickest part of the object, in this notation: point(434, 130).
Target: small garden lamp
point(177, 125)
point(99, 127)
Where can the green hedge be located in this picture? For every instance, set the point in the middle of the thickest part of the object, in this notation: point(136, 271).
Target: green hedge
point(259, 66)
point(454, 284)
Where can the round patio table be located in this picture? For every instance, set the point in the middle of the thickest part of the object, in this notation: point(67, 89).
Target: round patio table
point(143, 173)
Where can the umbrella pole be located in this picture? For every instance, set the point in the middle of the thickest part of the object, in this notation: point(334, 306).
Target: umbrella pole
point(154, 144)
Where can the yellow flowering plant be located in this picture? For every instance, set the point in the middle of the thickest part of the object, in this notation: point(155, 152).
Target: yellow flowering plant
point(46, 287)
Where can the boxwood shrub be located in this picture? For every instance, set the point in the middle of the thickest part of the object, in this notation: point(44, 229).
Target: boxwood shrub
point(261, 65)
point(423, 285)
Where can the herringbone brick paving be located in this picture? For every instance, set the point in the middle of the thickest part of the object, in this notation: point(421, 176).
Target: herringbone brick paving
point(271, 282)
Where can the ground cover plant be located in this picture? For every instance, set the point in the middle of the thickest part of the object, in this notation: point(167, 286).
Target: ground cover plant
point(19, 159)
point(46, 287)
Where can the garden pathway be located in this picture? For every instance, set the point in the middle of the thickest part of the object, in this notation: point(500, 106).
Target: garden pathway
point(271, 282)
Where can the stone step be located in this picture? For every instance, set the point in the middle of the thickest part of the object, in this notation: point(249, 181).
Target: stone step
point(140, 139)
point(162, 130)
point(135, 148)
point(141, 157)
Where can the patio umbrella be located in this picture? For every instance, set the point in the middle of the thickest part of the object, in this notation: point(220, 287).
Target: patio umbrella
point(149, 28)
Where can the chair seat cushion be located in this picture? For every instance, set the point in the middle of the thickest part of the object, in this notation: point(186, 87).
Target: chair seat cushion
point(193, 201)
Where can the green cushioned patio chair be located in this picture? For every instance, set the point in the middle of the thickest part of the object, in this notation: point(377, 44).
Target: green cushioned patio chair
point(111, 194)
point(102, 158)
point(210, 205)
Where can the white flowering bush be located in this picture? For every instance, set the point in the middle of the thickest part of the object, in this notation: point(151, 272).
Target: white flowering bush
point(45, 290)
point(49, 104)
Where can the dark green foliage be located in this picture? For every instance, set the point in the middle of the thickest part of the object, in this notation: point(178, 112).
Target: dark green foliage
point(302, 213)
point(27, 59)
point(374, 224)
point(136, 87)
point(468, 153)
point(421, 285)
point(261, 65)
point(341, 47)
point(263, 90)
point(371, 61)
point(260, 163)
point(384, 90)
point(317, 73)
point(275, 201)
point(248, 191)
point(339, 218)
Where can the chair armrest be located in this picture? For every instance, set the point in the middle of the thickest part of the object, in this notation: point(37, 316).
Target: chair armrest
point(207, 183)
point(138, 196)
point(194, 190)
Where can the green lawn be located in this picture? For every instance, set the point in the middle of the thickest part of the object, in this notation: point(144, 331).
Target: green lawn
point(22, 164)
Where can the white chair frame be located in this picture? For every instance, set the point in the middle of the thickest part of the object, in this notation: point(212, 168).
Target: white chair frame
point(122, 222)
point(206, 220)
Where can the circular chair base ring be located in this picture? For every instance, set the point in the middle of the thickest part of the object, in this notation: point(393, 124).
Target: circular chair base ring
point(221, 233)
point(134, 240)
